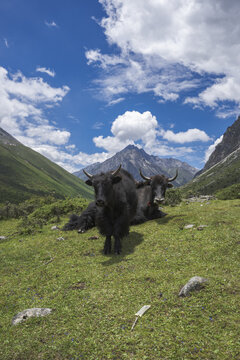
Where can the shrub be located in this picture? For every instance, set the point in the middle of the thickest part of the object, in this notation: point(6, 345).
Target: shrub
point(51, 212)
point(173, 197)
point(15, 211)
point(230, 193)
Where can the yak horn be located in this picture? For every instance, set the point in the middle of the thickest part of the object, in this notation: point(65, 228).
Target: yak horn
point(173, 178)
point(144, 177)
point(87, 174)
point(114, 173)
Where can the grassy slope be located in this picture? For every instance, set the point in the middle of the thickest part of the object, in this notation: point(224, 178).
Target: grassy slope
point(95, 297)
point(21, 178)
point(220, 176)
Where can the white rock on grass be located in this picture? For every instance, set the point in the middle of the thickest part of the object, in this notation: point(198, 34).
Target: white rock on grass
point(195, 283)
point(25, 314)
point(54, 227)
point(3, 237)
point(189, 226)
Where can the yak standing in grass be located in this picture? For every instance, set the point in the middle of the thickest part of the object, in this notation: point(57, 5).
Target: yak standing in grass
point(151, 193)
point(116, 204)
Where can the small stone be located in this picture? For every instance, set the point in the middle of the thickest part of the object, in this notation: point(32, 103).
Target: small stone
point(54, 227)
point(3, 237)
point(60, 238)
point(195, 283)
point(189, 226)
point(25, 314)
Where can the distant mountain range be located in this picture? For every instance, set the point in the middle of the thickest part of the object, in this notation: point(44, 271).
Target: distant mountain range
point(223, 167)
point(132, 159)
point(24, 173)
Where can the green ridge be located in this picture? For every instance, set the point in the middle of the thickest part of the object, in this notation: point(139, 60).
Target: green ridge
point(220, 176)
point(24, 172)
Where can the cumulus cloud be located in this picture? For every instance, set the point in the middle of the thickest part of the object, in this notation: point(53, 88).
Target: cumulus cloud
point(142, 129)
point(211, 148)
point(168, 47)
point(46, 71)
point(185, 137)
point(128, 128)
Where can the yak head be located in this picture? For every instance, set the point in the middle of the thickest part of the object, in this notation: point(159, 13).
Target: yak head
point(103, 185)
point(159, 185)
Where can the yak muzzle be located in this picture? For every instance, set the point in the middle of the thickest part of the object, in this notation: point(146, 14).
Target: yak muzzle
point(100, 203)
point(158, 200)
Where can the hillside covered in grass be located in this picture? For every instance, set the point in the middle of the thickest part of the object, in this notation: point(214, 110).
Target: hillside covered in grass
point(222, 175)
point(24, 173)
point(95, 297)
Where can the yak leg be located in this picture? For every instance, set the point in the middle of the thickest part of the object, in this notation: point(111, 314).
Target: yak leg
point(117, 245)
point(107, 245)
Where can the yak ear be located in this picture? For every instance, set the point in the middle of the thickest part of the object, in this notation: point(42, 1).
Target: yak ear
point(169, 185)
point(116, 179)
point(88, 182)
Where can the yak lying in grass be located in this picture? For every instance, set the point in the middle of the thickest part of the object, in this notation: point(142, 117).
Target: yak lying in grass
point(150, 193)
point(116, 204)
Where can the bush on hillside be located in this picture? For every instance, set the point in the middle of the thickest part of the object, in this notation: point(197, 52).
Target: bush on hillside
point(16, 211)
point(230, 193)
point(173, 197)
point(51, 212)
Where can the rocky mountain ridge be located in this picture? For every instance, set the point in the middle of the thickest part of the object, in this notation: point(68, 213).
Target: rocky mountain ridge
point(132, 159)
point(223, 167)
point(229, 143)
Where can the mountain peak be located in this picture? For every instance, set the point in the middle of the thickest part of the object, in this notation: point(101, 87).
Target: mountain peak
point(132, 159)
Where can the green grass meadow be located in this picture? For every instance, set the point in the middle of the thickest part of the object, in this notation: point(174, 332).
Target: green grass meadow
point(95, 296)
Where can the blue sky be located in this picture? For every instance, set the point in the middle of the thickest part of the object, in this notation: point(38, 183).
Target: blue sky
point(80, 80)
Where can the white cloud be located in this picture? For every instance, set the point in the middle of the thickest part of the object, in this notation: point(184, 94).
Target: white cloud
point(6, 42)
point(142, 129)
point(163, 45)
point(142, 75)
point(48, 134)
point(185, 137)
point(51, 24)
point(70, 147)
point(22, 105)
point(98, 125)
point(115, 101)
point(46, 71)
point(127, 128)
point(211, 148)
point(95, 56)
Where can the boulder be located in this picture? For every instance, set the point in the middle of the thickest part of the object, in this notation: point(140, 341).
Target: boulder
point(25, 314)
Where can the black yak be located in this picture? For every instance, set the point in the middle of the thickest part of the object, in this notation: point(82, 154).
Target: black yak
point(151, 193)
point(116, 204)
point(83, 222)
